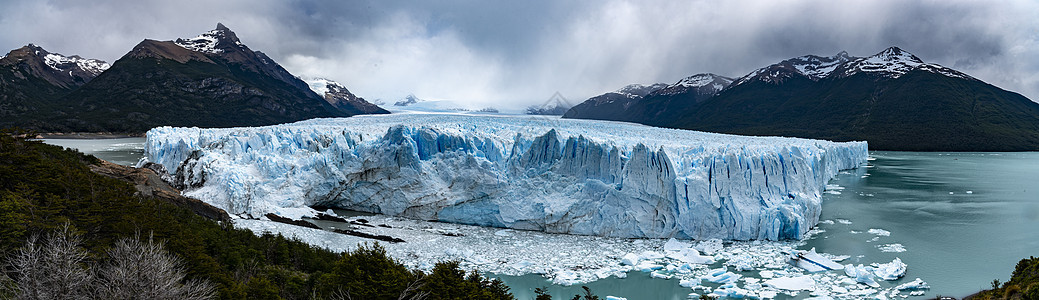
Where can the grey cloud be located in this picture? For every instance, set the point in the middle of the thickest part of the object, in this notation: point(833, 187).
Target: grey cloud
point(520, 52)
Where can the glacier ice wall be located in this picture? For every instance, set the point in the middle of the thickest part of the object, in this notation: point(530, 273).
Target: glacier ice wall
point(534, 173)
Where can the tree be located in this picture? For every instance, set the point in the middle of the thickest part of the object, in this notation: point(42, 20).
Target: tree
point(53, 268)
point(145, 270)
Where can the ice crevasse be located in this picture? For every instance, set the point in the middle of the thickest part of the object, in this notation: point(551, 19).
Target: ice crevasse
point(533, 173)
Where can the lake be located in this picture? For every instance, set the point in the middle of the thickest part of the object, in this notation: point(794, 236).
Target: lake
point(123, 151)
point(963, 219)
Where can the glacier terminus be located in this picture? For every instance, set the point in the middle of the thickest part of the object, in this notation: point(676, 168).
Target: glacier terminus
point(522, 172)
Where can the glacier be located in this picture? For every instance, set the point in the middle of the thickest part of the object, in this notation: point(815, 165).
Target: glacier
point(522, 172)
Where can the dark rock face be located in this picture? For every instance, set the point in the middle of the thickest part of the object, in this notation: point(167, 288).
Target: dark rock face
point(150, 183)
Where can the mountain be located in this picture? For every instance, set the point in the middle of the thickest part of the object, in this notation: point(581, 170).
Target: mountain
point(341, 98)
point(408, 100)
point(557, 105)
point(893, 99)
point(33, 79)
point(636, 102)
point(212, 80)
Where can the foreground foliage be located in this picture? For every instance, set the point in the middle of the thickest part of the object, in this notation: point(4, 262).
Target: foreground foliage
point(1023, 283)
point(44, 187)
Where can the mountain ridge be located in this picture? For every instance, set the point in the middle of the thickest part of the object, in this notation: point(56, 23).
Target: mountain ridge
point(892, 99)
point(211, 80)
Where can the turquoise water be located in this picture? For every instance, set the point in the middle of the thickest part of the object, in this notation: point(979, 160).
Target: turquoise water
point(957, 242)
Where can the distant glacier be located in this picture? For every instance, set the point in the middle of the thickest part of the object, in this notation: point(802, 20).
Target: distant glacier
point(532, 173)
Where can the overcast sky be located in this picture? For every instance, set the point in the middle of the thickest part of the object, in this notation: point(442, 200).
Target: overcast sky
point(511, 53)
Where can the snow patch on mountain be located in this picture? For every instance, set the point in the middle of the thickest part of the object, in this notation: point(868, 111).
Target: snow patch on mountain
point(63, 63)
point(705, 84)
point(208, 42)
point(531, 173)
point(634, 91)
point(893, 62)
point(320, 85)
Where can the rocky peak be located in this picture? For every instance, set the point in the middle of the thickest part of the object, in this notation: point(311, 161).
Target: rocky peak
point(66, 71)
point(214, 41)
point(893, 62)
point(639, 90)
point(704, 84)
point(340, 97)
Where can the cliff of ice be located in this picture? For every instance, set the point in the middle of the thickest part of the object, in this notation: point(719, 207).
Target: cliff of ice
point(522, 172)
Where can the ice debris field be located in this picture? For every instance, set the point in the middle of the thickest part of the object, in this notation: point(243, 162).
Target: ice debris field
point(728, 269)
point(521, 172)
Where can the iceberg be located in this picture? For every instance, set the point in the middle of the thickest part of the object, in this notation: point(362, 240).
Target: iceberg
point(891, 271)
point(521, 172)
point(861, 274)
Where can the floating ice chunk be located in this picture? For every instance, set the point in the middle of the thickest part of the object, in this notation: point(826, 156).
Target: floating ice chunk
point(675, 245)
point(891, 248)
point(862, 274)
point(615, 298)
point(799, 283)
point(710, 246)
point(843, 221)
point(828, 222)
point(723, 278)
point(565, 277)
point(659, 275)
point(648, 266)
point(689, 283)
point(879, 232)
point(767, 274)
point(650, 255)
point(504, 232)
point(891, 271)
point(917, 284)
point(812, 261)
point(767, 294)
point(630, 259)
point(690, 256)
point(916, 293)
point(970, 192)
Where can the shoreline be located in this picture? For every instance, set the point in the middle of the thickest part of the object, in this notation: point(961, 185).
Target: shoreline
point(86, 135)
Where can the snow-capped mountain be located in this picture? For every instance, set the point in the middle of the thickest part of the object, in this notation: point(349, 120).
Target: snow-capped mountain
point(212, 80)
point(408, 100)
point(32, 81)
point(893, 62)
point(702, 84)
point(893, 99)
point(612, 105)
point(635, 91)
point(65, 71)
point(213, 41)
point(340, 97)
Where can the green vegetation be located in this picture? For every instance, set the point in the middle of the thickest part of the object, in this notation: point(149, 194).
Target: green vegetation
point(1023, 283)
point(43, 188)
